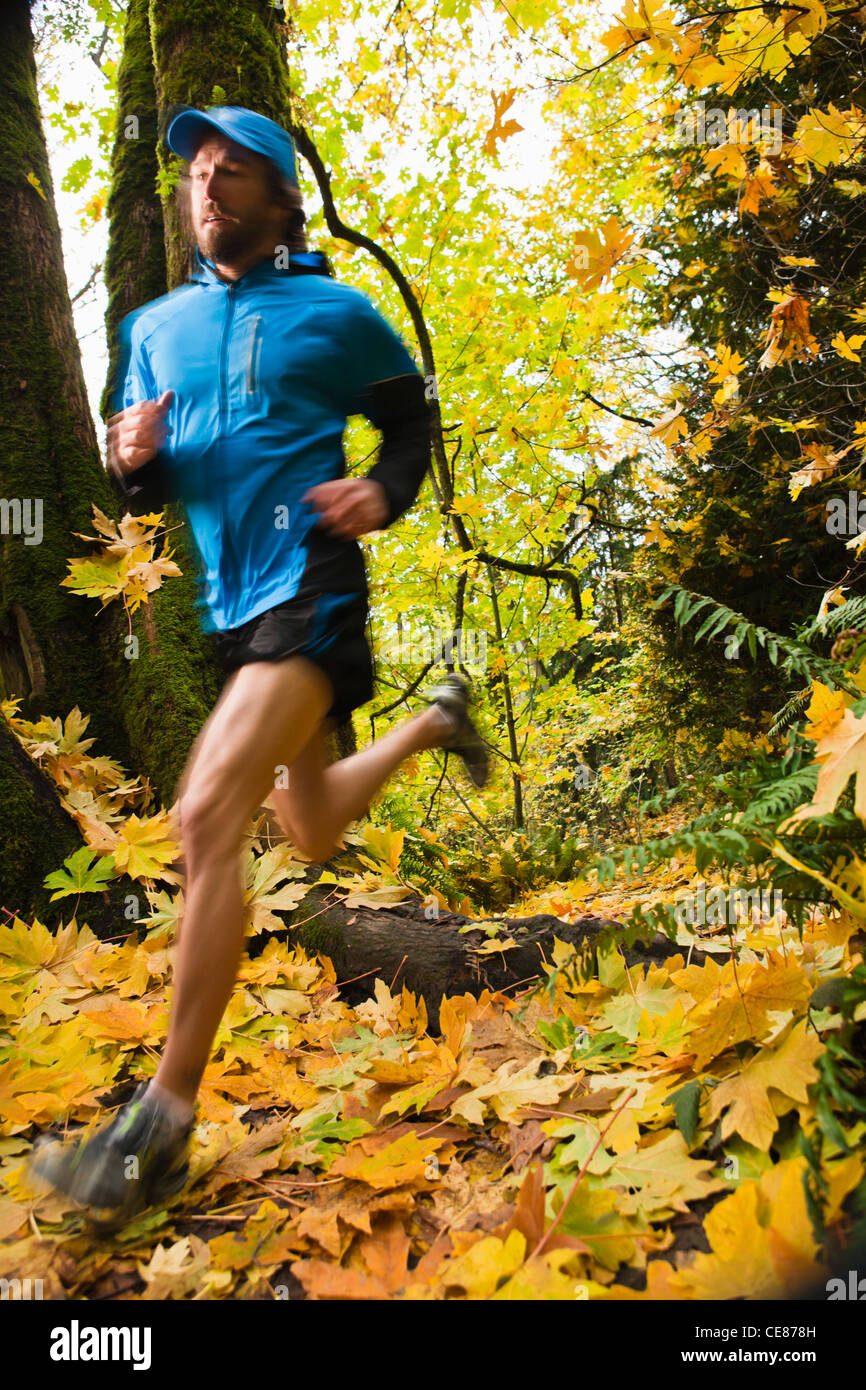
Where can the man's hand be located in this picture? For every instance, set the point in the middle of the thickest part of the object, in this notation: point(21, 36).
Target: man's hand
point(135, 434)
point(349, 507)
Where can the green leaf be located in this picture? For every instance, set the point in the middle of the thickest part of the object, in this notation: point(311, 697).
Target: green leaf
point(80, 875)
point(329, 1127)
point(686, 1103)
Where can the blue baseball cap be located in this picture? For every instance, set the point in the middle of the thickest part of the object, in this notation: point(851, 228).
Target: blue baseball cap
point(248, 128)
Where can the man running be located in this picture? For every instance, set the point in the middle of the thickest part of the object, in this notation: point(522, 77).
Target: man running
point(236, 391)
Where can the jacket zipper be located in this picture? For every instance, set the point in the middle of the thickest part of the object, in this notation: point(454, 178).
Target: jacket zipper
point(223, 370)
point(226, 557)
point(253, 358)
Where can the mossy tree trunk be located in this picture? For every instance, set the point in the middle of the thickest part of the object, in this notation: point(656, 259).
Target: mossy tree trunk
point(166, 693)
point(446, 956)
point(56, 651)
point(37, 832)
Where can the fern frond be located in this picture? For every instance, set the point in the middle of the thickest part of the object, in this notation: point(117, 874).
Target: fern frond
point(797, 658)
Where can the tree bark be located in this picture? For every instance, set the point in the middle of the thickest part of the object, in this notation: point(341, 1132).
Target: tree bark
point(37, 832)
point(167, 692)
point(54, 649)
point(400, 946)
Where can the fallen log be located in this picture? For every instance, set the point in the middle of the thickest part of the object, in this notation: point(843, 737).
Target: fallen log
point(446, 955)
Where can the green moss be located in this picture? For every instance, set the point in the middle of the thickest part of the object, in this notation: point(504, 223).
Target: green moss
point(135, 270)
point(37, 834)
point(47, 441)
point(319, 930)
point(322, 938)
point(172, 685)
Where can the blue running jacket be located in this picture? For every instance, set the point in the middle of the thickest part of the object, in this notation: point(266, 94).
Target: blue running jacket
point(266, 372)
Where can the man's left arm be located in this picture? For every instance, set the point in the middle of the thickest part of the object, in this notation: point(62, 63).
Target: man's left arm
point(378, 379)
point(399, 409)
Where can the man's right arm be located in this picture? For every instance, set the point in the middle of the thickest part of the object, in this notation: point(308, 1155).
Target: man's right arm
point(136, 432)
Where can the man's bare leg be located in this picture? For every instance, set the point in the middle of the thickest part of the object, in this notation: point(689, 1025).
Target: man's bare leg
point(321, 800)
point(268, 714)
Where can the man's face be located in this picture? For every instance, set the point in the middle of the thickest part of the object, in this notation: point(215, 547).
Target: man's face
point(231, 208)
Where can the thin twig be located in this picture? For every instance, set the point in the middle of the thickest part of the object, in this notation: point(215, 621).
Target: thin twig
point(559, 1215)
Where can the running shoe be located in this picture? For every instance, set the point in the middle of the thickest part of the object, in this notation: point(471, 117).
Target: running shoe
point(453, 695)
point(137, 1161)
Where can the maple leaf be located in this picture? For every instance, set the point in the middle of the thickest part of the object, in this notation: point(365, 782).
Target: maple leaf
point(788, 335)
point(594, 1217)
point(821, 467)
point(125, 1023)
point(671, 425)
point(334, 1219)
point(501, 130)
point(510, 1090)
point(787, 1068)
point(653, 995)
point(374, 897)
point(80, 874)
point(733, 1003)
point(847, 347)
point(726, 159)
point(598, 252)
point(125, 538)
point(324, 1279)
point(761, 1240)
point(146, 573)
point(263, 897)
point(661, 1176)
point(756, 189)
point(175, 1271)
point(824, 711)
point(97, 576)
point(647, 21)
point(386, 843)
point(385, 1256)
point(726, 362)
point(480, 1270)
point(263, 1241)
point(127, 564)
point(403, 1162)
point(144, 848)
point(381, 1012)
point(842, 755)
point(828, 137)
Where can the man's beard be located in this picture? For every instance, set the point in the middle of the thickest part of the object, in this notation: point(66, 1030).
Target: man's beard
point(226, 241)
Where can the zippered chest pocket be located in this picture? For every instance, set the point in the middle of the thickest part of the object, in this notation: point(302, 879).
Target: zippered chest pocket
point(254, 352)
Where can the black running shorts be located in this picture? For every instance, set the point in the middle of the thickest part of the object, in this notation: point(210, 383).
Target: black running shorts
point(328, 629)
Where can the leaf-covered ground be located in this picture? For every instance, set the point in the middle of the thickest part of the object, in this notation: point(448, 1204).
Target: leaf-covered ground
point(628, 1134)
point(345, 1152)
